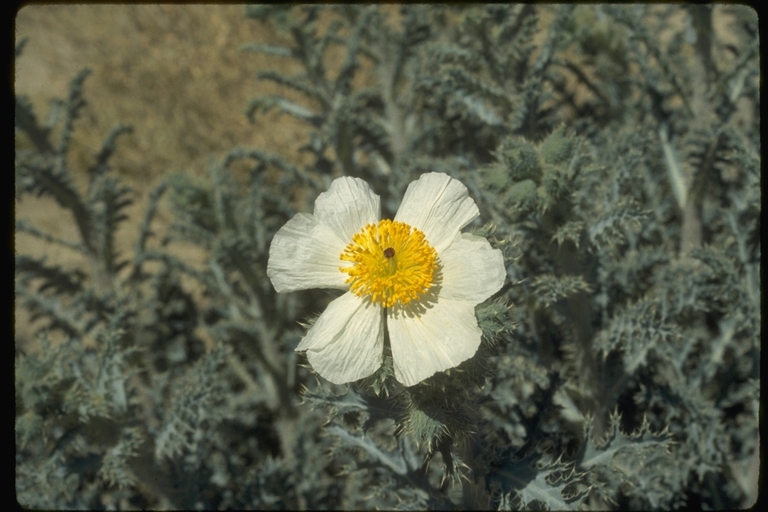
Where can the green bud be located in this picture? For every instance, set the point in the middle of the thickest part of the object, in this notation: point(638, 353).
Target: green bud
point(522, 159)
point(523, 193)
point(495, 176)
point(554, 181)
point(542, 195)
point(558, 147)
point(425, 428)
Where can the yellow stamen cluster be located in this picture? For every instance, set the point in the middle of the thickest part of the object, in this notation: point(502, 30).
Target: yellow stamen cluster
point(393, 262)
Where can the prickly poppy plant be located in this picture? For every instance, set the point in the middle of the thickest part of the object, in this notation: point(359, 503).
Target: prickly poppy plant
point(529, 278)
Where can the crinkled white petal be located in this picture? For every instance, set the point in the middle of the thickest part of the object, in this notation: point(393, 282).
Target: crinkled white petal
point(439, 206)
point(471, 269)
point(347, 342)
point(347, 206)
point(305, 254)
point(442, 337)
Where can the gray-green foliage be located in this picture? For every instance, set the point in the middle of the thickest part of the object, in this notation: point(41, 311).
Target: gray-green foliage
point(620, 362)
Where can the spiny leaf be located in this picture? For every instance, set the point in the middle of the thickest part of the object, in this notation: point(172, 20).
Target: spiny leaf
point(639, 465)
point(55, 278)
point(313, 91)
point(108, 148)
point(550, 289)
point(75, 103)
point(601, 453)
point(623, 216)
point(26, 227)
point(637, 329)
point(545, 485)
point(373, 409)
point(267, 103)
point(115, 469)
point(571, 231)
point(26, 121)
point(390, 460)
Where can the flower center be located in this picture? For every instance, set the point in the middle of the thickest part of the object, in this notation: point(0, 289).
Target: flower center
point(393, 262)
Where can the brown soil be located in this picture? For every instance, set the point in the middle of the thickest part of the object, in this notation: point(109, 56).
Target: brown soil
point(177, 73)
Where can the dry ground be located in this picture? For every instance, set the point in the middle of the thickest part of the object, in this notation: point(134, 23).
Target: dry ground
point(177, 73)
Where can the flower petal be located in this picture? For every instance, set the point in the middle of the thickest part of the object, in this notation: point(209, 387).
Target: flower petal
point(347, 206)
point(441, 337)
point(439, 206)
point(305, 254)
point(347, 341)
point(472, 269)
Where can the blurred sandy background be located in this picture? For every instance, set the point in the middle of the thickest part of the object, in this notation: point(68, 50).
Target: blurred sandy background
point(177, 73)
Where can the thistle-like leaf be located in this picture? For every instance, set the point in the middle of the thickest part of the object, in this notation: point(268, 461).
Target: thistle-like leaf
point(549, 289)
point(547, 485)
point(54, 278)
point(107, 149)
point(637, 329)
point(73, 106)
point(26, 121)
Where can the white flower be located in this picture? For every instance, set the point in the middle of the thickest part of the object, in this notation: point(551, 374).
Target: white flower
point(417, 277)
